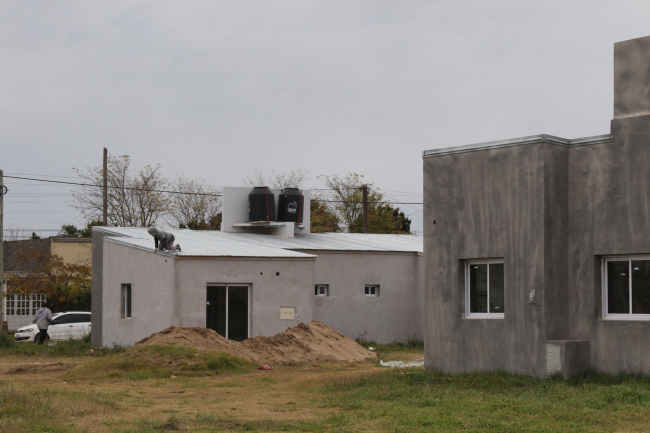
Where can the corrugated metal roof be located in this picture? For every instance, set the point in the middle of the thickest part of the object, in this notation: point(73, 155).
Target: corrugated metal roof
point(336, 241)
point(221, 244)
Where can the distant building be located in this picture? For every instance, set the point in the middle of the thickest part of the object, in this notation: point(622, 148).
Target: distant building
point(19, 310)
point(537, 249)
point(253, 279)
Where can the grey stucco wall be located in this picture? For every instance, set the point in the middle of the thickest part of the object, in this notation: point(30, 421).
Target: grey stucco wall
point(152, 294)
point(610, 209)
point(392, 316)
point(97, 254)
point(632, 77)
point(485, 204)
point(294, 287)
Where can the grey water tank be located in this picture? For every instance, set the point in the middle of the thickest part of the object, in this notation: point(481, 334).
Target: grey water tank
point(291, 205)
point(261, 205)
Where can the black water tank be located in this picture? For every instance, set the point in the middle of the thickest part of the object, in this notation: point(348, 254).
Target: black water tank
point(291, 206)
point(261, 205)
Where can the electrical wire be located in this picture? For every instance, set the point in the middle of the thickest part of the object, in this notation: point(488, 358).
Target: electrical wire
point(170, 192)
point(114, 187)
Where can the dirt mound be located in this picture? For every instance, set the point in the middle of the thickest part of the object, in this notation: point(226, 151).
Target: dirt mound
point(39, 367)
point(313, 342)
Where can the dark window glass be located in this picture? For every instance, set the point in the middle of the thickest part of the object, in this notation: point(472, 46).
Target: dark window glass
point(128, 300)
point(496, 288)
point(316, 291)
point(81, 318)
point(367, 290)
point(65, 319)
point(641, 287)
point(478, 288)
point(618, 287)
point(237, 313)
point(216, 309)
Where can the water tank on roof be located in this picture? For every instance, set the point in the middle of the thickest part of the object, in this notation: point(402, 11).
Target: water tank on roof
point(291, 205)
point(261, 205)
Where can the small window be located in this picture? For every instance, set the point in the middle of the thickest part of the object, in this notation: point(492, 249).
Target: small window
point(626, 288)
point(126, 301)
point(372, 290)
point(484, 291)
point(322, 290)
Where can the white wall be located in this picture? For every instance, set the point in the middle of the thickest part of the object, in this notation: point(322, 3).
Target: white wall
point(152, 289)
point(294, 287)
point(395, 315)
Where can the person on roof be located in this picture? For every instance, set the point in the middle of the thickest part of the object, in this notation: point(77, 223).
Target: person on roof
point(164, 241)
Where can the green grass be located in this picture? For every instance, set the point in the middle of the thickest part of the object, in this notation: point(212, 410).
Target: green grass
point(61, 349)
point(411, 401)
point(162, 361)
point(412, 345)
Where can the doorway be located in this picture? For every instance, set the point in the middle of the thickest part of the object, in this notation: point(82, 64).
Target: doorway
point(228, 310)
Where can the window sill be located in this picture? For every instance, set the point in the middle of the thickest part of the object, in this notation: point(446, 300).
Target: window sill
point(489, 316)
point(627, 318)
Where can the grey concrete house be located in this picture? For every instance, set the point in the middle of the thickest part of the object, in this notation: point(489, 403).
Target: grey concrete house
point(537, 249)
point(248, 280)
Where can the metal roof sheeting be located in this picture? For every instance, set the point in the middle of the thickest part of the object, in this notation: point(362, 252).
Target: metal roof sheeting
point(222, 244)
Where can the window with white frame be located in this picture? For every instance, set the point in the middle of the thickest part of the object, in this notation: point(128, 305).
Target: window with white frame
point(22, 305)
point(322, 290)
point(626, 287)
point(484, 289)
point(37, 302)
point(372, 290)
point(126, 301)
point(11, 305)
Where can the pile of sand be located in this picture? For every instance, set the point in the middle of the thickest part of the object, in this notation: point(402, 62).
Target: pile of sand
point(313, 342)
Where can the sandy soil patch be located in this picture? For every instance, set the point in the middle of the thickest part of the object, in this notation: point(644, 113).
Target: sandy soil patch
point(312, 342)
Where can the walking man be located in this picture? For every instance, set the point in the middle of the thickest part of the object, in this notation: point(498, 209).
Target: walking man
point(42, 319)
point(164, 241)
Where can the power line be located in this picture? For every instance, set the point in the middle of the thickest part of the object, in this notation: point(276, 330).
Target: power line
point(46, 211)
point(44, 175)
point(114, 187)
point(174, 192)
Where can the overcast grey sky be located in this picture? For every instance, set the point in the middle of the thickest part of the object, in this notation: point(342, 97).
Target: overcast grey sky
point(215, 89)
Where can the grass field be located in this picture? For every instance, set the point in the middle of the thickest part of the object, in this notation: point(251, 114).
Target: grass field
point(73, 388)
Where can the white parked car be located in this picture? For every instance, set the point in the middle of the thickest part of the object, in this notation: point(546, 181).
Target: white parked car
point(73, 325)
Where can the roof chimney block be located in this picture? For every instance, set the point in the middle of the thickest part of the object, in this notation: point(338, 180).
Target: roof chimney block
point(632, 77)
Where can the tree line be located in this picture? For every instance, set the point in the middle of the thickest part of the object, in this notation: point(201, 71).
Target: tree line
point(139, 198)
point(136, 199)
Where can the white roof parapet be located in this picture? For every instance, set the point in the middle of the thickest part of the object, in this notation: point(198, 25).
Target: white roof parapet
point(542, 138)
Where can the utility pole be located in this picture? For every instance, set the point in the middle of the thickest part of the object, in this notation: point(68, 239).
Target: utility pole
point(105, 207)
point(2, 259)
point(366, 226)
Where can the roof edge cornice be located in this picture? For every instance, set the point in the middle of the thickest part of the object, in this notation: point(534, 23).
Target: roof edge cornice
point(532, 139)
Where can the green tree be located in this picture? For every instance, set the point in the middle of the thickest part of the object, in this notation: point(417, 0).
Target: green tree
point(65, 285)
point(35, 236)
point(346, 202)
point(322, 219)
point(213, 223)
point(383, 218)
point(71, 231)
